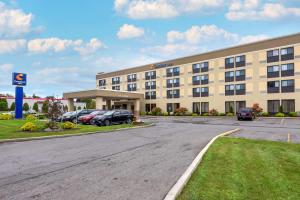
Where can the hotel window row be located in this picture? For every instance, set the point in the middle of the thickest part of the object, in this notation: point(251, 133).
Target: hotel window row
point(237, 89)
point(238, 75)
point(175, 71)
point(285, 54)
point(238, 61)
point(200, 107)
point(286, 86)
point(172, 94)
point(173, 82)
point(201, 92)
point(281, 70)
point(202, 79)
point(150, 75)
point(131, 78)
point(150, 95)
point(200, 67)
point(288, 105)
point(150, 85)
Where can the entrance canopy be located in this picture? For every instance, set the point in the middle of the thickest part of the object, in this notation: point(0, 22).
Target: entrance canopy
point(104, 97)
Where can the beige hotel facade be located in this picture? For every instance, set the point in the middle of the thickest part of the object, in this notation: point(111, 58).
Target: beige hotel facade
point(265, 72)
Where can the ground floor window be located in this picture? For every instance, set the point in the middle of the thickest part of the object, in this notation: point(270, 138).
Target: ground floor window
point(196, 107)
point(229, 106)
point(288, 105)
point(171, 107)
point(273, 106)
point(204, 107)
point(239, 105)
point(149, 107)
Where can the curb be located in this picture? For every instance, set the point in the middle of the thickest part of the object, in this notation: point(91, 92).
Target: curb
point(70, 135)
point(182, 181)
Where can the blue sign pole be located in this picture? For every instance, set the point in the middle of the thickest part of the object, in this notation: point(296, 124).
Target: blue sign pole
point(19, 102)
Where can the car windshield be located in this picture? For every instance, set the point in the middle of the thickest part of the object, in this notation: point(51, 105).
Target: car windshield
point(109, 113)
point(68, 113)
point(98, 112)
point(245, 110)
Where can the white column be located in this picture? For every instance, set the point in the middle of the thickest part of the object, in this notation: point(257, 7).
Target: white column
point(99, 103)
point(137, 108)
point(71, 105)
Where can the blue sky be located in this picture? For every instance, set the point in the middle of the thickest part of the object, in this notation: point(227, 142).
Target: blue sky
point(61, 45)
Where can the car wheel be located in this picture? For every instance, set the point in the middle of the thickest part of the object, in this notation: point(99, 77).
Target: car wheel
point(92, 122)
point(239, 119)
point(107, 123)
point(74, 121)
point(128, 121)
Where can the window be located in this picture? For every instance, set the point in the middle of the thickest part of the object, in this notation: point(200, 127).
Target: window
point(196, 68)
point(229, 106)
point(240, 75)
point(115, 80)
point(151, 85)
point(240, 61)
point(229, 63)
point(287, 70)
point(240, 89)
point(196, 107)
point(150, 75)
point(196, 92)
point(229, 90)
point(288, 105)
point(173, 82)
point(287, 53)
point(204, 92)
point(239, 105)
point(173, 94)
point(196, 80)
point(273, 106)
point(131, 87)
point(131, 78)
point(204, 66)
point(204, 107)
point(115, 87)
point(229, 76)
point(273, 55)
point(102, 82)
point(150, 95)
point(273, 86)
point(273, 71)
point(175, 71)
point(171, 107)
point(287, 86)
point(204, 79)
point(149, 107)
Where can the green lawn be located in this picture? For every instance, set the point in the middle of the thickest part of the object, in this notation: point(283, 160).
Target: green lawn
point(235, 168)
point(10, 129)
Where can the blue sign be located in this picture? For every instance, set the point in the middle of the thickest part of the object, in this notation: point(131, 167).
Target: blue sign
point(19, 103)
point(19, 79)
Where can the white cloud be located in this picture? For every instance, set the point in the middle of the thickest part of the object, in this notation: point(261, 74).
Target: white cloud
point(250, 10)
point(14, 22)
point(6, 67)
point(253, 38)
point(10, 46)
point(129, 31)
point(168, 50)
point(92, 46)
point(162, 9)
point(59, 45)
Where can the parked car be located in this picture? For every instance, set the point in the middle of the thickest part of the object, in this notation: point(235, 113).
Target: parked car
point(245, 113)
point(74, 116)
point(87, 119)
point(114, 117)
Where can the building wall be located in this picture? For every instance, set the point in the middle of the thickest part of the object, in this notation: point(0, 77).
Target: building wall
point(256, 82)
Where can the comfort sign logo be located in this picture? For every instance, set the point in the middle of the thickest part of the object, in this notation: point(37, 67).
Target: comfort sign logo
point(19, 79)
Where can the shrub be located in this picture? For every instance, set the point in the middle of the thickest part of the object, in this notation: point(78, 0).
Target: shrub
point(188, 114)
point(52, 125)
point(29, 126)
point(279, 114)
point(5, 116)
point(68, 125)
point(205, 114)
point(256, 109)
point(142, 113)
point(25, 107)
point(31, 118)
point(222, 114)
point(3, 105)
point(194, 114)
point(293, 114)
point(35, 107)
point(165, 114)
point(265, 114)
point(229, 114)
point(213, 112)
point(180, 111)
point(156, 111)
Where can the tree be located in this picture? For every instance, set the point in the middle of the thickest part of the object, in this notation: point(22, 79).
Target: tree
point(65, 108)
point(79, 108)
point(35, 96)
point(90, 103)
point(35, 107)
point(13, 106)
point(55, 109)
point(45, 106)
point(256, 109)
point(25, 107)
point(3, 105)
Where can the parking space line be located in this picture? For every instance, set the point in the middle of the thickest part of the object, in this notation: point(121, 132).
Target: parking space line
point(289, 138)
point(282, 121)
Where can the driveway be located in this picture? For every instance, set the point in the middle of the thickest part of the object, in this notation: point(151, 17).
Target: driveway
point(133, 164)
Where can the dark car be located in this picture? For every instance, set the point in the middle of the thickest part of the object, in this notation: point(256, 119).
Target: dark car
point(245, 113)
point(114, 117)
point(74, 116)
point(87, 119)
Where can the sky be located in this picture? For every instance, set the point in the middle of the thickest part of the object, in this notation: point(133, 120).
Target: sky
point(61, 45)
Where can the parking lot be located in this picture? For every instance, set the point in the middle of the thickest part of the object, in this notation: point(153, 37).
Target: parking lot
point(132, 164)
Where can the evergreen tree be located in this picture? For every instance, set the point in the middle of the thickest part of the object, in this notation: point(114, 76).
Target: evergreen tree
point(45, 107)
point(35, 107)
point(25, 107)
point(13, 106)
point(3, 105)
